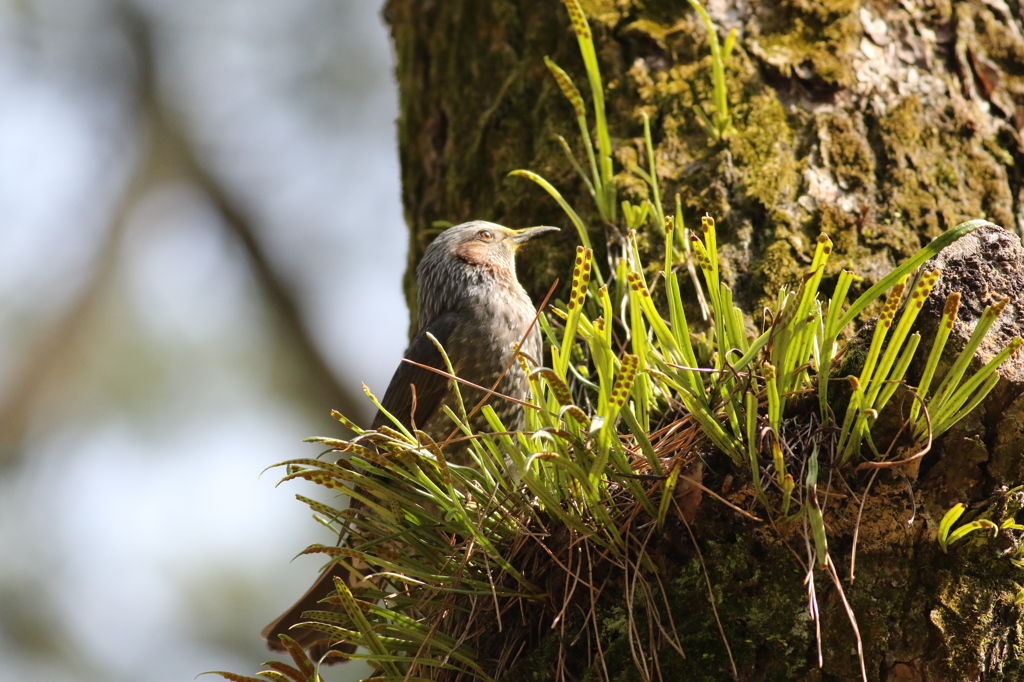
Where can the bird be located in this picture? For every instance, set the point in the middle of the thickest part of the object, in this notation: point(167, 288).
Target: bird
point(470, 300)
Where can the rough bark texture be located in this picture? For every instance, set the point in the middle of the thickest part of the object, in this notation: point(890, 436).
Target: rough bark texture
point(882, 124)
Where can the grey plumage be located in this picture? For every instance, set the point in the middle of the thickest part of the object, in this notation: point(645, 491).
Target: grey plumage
point(470, 301)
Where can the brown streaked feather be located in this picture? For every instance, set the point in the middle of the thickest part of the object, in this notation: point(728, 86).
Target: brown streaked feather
point(431, 387)
point(470, 301)
point(398, 400)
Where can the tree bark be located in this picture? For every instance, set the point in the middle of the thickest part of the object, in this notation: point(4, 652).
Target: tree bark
point(880, 124)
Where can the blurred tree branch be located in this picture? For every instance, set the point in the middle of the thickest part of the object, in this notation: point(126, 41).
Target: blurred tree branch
point(167, 154)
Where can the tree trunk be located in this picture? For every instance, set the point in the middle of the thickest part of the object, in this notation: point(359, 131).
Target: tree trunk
point(880, 124)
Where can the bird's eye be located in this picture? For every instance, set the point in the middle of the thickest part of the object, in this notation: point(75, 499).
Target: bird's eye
point(485, 235)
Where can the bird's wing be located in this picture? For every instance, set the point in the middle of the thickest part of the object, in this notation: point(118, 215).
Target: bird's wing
point(431, 387)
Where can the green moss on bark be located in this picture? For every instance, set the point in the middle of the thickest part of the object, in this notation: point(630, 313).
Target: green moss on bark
point(763, 152)
point(809, 38)
point(848, 151)
point(938, 173)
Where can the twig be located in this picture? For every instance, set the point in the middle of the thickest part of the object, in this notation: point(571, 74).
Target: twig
point(850, 615)
point(711, 592)
point(856, 527)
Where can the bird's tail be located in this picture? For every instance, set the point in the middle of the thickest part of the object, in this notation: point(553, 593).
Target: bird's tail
point(316, 642)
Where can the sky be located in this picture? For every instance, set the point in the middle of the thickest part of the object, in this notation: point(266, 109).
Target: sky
point(148, 375)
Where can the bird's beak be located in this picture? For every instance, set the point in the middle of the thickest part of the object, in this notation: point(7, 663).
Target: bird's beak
point(519, 237)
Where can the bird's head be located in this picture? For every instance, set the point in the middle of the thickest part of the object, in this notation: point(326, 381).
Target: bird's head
point(485, 245)
point(470, 254)
point(480, 244)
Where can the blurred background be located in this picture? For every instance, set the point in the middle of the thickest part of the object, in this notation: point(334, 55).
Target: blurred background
point(201, 251)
